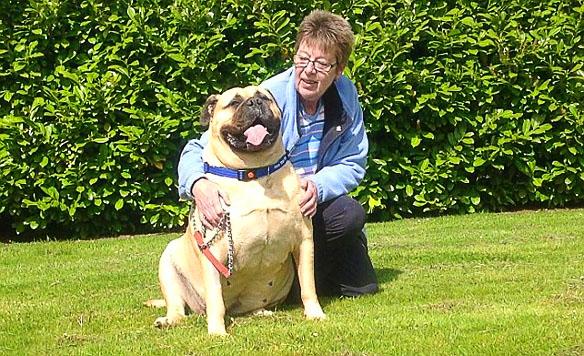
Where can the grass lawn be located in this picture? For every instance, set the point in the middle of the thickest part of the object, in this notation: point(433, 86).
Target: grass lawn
point(505, 284)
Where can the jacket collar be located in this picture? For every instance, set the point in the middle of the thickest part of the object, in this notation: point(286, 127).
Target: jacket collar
point(334, 115)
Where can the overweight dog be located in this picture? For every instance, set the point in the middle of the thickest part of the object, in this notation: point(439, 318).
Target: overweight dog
point(247, 264)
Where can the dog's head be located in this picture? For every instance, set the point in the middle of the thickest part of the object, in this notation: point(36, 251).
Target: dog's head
point(244, 123)
point(246, 119)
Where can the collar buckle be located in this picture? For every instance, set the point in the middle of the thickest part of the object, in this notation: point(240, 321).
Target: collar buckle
point(246, 175)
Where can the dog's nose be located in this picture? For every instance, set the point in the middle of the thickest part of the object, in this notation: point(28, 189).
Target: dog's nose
point(254, 101)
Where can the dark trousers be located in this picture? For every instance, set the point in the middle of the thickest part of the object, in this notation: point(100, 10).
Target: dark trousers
point(342, 265)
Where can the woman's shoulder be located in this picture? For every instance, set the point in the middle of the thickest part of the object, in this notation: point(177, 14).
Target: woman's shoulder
point(345, 86)
point(348, 94)
point(279, 81)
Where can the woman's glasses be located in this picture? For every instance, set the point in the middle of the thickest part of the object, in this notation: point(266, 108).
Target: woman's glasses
point(319, 65)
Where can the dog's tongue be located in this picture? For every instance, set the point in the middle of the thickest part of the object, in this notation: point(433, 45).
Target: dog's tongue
point(255, 135)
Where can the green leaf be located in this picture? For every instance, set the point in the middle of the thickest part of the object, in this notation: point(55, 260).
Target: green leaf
point(154, 218)
point(455, 160)
point(537, 182)
point(119, 204)
point(468, 21)
point(486, 43)
point(373, 202)
point(18, 66)
point(478, 162)
point(33, 224)
point(415, 141)
point(44, 162)
point(178, 57)
point(409, 190)
point(131, 12)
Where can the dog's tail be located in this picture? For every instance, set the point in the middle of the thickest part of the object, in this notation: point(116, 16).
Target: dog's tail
point(155, 303)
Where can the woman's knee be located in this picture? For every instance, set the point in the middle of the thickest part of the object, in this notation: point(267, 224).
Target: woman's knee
point(355, 216)
point(341, 217)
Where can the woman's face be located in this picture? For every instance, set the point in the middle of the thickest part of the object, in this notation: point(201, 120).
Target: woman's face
point(310, 82)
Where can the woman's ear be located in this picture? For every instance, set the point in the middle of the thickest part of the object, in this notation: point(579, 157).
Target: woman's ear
point(340, 69)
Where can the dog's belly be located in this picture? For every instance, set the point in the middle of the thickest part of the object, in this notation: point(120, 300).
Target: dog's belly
point(250, 289)
point(263, 271)
point(264, 238)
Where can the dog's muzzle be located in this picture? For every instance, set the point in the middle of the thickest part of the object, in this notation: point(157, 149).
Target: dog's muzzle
point(254, 125)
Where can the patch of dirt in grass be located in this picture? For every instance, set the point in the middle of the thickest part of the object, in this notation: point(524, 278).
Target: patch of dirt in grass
point(73, 340)
point(572, 295)
point(445, 306)
point(574, 350)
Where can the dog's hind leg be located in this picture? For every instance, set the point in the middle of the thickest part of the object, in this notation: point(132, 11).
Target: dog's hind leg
point(173, 289)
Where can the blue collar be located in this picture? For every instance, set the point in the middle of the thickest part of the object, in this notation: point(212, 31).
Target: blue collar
point(246, 174)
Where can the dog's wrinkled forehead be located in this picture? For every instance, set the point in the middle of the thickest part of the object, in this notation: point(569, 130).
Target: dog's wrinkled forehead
point(235, 96)
point(220, 107)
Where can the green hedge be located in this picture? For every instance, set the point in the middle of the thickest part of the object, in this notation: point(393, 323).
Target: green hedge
point(473, 106)
point(469, 107)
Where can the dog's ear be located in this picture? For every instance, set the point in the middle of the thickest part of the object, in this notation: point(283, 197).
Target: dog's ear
point(208, 109)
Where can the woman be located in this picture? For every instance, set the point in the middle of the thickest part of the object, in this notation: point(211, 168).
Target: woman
point(323, 130)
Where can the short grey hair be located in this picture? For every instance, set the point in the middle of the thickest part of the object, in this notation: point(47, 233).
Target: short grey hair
point(329, 32)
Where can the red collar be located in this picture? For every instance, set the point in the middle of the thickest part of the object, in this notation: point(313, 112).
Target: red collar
point(204, 248)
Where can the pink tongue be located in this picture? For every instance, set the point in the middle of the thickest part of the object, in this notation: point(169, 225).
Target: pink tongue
point(255, 135)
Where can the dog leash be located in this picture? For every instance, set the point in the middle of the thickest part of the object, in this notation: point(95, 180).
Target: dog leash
point(204, 247)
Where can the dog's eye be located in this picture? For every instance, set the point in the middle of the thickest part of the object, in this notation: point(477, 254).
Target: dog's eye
point(262, 96)
point(236, 101)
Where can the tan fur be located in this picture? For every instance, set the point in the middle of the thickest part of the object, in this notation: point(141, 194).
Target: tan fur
point(267, 228)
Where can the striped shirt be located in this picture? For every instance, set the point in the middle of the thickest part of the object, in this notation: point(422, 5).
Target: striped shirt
point(304, 154)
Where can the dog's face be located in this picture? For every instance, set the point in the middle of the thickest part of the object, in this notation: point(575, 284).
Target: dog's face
point(245, 119)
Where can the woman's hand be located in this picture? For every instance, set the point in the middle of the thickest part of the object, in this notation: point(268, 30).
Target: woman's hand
point(208, 201)
point(309, 200)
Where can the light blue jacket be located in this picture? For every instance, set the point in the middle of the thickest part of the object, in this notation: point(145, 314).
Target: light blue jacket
point(343, 150)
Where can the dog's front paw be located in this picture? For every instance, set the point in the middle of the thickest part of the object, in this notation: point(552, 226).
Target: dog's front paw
point(314, 312)
point(217, 331)
point(162, 322)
